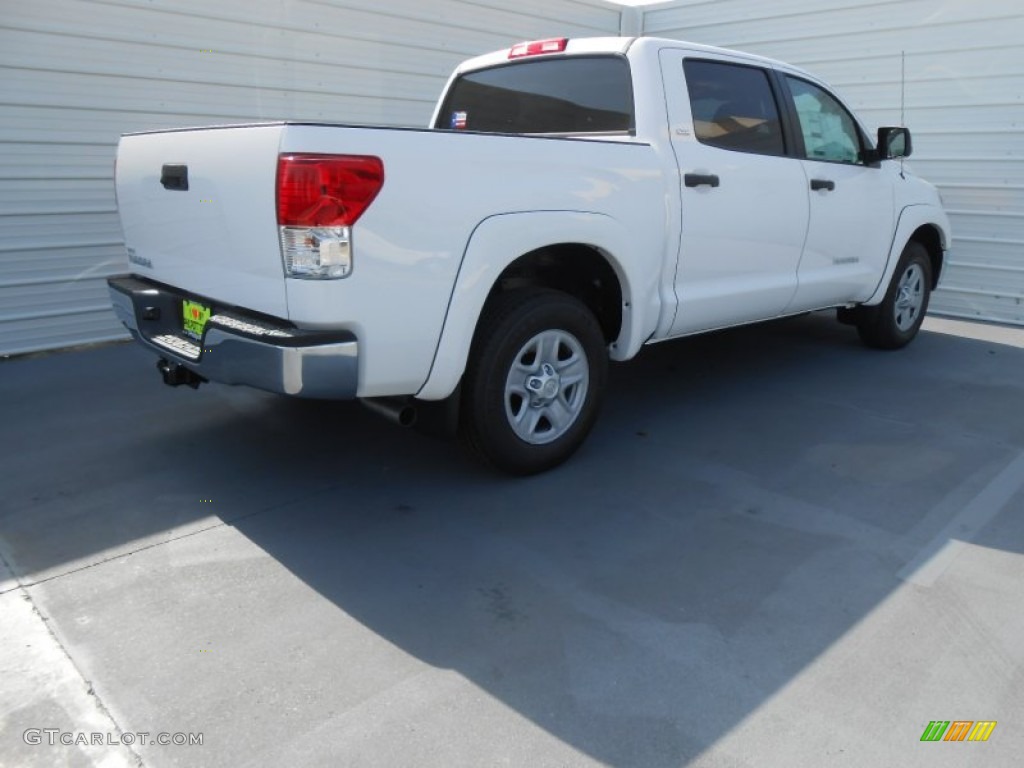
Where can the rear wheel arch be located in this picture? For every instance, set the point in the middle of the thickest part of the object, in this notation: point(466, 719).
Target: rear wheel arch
point(582, 271)
point(577, 253)
point(534, 382)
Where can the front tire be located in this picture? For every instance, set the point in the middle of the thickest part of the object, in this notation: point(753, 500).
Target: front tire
point(895, 322)
point(534, 382)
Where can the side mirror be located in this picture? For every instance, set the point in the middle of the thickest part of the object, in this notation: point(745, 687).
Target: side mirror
point(893, 143)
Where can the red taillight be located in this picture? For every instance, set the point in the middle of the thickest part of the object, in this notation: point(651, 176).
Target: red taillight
point(326, 190)
point(537, 47)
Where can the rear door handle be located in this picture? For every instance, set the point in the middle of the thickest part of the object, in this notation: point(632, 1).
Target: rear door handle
point(700, 180)
point(818, 184)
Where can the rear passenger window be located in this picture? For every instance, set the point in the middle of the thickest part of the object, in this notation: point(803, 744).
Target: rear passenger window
point(734, 107)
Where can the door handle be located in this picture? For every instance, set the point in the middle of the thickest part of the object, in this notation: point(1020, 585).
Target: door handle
point(700, 180)
point(818, 184)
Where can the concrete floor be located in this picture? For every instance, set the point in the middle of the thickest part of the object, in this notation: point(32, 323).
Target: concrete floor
point(778, 548)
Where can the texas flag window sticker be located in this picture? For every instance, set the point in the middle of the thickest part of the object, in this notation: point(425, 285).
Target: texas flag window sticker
point(459, 120)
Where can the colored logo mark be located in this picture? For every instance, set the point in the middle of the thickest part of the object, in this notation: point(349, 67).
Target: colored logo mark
point(958, 730)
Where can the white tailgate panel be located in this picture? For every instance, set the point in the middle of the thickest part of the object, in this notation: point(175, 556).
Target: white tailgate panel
point(219, 238)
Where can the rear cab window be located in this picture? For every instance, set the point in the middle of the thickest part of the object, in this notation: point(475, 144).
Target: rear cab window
point(567, 95)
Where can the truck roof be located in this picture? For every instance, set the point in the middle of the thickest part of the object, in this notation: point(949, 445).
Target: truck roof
point(622, 45)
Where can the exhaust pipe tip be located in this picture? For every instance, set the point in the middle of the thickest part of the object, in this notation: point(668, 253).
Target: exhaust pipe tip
point(395, 409)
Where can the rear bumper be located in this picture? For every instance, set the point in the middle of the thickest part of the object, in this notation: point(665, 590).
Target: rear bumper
point(239, 347)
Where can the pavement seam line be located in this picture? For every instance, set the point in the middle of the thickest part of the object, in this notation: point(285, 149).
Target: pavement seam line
point(89, 687)
point(120, 555)
point(222, 524)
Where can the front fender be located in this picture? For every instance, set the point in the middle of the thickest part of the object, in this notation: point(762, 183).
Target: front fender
point(498, 241)
point(911, 218)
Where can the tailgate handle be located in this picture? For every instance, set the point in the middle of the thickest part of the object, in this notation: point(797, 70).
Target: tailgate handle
point(174, 177)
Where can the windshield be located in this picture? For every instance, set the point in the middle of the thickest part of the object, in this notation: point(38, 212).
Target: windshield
point(579, 94)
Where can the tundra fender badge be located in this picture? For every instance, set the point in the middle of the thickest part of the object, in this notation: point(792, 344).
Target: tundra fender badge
point(142, 261)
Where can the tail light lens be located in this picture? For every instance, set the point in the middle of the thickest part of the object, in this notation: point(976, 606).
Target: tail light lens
point(326, 190)
point(319, 198)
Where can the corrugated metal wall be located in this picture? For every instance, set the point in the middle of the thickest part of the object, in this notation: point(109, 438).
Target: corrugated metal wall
point(964, 104)
point(76, 74)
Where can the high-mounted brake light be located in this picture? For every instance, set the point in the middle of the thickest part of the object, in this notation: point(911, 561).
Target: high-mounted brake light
point(319, 198)
point(537, 47)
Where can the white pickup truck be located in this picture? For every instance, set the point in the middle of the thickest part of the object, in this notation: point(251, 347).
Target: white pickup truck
point(572, 201)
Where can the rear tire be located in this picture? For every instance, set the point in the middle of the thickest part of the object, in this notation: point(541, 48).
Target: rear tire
point(534, 382)
point(895, 322)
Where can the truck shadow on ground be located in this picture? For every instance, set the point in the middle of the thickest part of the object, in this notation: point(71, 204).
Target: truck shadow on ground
point(746, 498)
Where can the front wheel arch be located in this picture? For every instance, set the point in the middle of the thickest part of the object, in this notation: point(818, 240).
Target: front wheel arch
point(895, 321)
point(931, 240)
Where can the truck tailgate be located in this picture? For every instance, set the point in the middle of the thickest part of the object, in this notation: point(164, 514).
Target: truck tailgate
point(198, 211)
